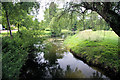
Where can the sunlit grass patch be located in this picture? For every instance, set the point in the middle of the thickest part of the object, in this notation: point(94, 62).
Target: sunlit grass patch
point(0, 35)
point(7, 33)
point(65, 31)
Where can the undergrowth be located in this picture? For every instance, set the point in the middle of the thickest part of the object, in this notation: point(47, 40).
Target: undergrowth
point(15, 51)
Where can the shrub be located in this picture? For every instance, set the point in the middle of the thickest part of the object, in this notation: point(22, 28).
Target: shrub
point(15, 52)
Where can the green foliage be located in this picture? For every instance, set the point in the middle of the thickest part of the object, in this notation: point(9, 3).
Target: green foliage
point(52, 10)
point(18, 13)
point(92, 21)
point(57, 19)
point(13, 28)
point(15, 51)
point(0, 19)
point(55, 27)
point(50, 20)
point(27, 22)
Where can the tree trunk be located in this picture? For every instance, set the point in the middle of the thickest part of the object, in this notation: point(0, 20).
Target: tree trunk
point(18, 28)
point(8, 22)
point(113, 19)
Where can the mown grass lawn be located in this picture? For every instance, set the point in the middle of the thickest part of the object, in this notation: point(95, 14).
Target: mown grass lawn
point(98, 46)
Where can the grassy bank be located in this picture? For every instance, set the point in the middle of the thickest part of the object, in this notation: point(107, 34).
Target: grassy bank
point(98, 47)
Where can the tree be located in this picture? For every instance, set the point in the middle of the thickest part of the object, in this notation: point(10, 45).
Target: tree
point(55, 27)
point(46, 17)
point(50, 17)
point(36, 24)
point(27, 21)
point(52, 10)
point(15, 11)
point(7, 7)
point(110, 11)
point(0, 15)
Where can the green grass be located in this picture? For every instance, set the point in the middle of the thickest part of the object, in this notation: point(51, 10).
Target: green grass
point(7, 33)
point(66, 31)
point(47, 32)
point(98, 46)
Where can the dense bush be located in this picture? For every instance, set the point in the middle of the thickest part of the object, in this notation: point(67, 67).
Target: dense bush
point(15, 51)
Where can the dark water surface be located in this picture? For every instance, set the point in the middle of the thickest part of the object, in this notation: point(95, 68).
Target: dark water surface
point(55, 61)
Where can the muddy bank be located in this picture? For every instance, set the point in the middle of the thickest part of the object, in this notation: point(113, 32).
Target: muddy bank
point(110, 72)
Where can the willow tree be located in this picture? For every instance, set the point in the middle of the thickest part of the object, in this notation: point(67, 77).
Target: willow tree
point(109, 11)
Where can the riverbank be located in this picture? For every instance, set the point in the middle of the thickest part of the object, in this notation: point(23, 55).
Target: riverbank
point(96, 48)
point(110, 72)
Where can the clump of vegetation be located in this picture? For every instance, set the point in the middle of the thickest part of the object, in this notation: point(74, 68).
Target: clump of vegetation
point(96, 48)
point(15, 51)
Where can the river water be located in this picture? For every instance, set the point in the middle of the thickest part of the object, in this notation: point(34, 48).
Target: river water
point(55, 61)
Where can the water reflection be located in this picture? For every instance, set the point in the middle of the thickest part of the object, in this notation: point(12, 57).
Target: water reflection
point(35, 70)
point(69, 73)
point(54, 61)
point(96, 75)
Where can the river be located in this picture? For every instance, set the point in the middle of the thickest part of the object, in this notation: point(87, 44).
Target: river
point(55, 61)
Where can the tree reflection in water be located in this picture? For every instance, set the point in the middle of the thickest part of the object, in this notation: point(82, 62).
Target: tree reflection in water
point(69, 73)
point(96, 75)
point(52, 52)
point(45, 65)
point(33, 70)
